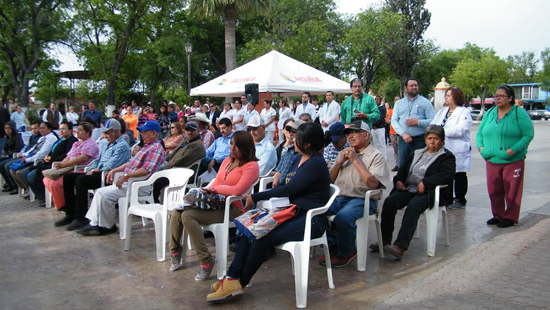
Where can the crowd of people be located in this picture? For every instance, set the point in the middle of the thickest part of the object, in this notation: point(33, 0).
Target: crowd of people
point(317, 144)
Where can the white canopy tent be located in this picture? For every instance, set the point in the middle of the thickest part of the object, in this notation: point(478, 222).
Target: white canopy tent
point(274, 73)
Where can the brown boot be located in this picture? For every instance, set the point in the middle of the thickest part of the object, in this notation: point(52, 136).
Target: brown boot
point(227, 288)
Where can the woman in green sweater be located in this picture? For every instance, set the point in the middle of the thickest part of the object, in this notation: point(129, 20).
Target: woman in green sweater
point(502, 139)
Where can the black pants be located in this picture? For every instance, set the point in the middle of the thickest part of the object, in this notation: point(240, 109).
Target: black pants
point(159, 184)
point(75, 188)
point(416, 204)
point(461, 187)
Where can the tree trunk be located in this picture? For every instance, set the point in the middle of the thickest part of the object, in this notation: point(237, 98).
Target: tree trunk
point(230, 49)
point(5, 93)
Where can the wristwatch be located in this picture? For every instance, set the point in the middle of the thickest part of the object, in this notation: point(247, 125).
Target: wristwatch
point(126, 176)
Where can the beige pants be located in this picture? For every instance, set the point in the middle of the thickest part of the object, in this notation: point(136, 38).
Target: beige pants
point(192, 220)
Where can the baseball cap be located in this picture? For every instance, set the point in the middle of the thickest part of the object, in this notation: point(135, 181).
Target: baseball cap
point(150, 125)
point(357, 126)
point(191, 125)
point(255, 121)
point(110, 124)
point(336, 131)
point(295, 124)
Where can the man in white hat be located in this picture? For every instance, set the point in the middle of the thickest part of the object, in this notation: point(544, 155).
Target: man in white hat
point(265, 151)
point(207, 137)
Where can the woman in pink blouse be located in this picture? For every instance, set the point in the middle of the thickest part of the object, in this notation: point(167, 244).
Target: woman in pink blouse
point(175, 138)
point(82, 152)
point(237, 174)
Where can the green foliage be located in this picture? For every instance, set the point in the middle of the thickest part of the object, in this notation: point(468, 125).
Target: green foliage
point(27, 28)
point(434, 65)
point(544, 75)
point(308, 37)
point(177, 94)
point(366, 54)
point(522, 68)
point(478, 77)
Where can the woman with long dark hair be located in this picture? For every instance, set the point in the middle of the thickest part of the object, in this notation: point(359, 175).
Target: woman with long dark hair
point(307, 185)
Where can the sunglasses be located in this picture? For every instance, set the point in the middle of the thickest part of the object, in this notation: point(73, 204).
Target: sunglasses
point(290, 129)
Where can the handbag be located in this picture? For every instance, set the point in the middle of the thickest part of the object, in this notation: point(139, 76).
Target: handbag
point(54, 174)
point(256, 223)
point(19, 165)
point(197, 199)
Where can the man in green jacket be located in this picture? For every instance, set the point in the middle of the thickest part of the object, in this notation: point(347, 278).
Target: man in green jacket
point(359, 106)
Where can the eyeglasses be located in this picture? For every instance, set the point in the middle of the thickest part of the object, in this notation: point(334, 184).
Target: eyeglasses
point(173, 127)
point(212, 106)
point(501, 96)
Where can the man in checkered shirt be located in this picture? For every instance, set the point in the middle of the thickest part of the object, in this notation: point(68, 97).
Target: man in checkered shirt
point(148, 160)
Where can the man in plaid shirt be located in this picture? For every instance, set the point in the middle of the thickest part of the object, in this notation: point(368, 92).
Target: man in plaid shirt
point(148, 160)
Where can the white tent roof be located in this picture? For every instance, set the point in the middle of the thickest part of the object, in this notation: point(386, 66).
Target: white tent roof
point(274, 73)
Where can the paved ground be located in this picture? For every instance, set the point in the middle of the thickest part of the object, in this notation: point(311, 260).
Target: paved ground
point(485, 267)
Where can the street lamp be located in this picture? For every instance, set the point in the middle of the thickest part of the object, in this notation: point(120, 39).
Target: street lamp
point(189, 50)
point(337, 66)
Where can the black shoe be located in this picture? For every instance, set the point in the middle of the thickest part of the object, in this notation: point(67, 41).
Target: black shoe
point(493, 221)
point(61, 209)
point(7, 189)
point(78, 224)
point(14, 192)
point(505, 223)
point(106, 231)
point(233, 247)
point(89, 230)
point(207, 234)
point(5, 186)
point(64, 221)
point(42, 203)
point(395, 169)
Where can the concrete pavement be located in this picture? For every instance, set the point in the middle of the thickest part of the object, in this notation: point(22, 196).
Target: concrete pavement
point(484, 267)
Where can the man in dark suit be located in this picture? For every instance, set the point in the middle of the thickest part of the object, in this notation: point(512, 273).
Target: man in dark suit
point(213, 115)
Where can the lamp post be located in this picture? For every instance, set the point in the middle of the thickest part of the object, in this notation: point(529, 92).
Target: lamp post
point(189, 50)
point(337, 67)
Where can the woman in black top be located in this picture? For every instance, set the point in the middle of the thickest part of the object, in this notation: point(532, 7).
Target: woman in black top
point(307, 185)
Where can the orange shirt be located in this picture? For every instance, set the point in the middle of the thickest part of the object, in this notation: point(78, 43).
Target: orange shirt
point(388, 121)
point(132, 122)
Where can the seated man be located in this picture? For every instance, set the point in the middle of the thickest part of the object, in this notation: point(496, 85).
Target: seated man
point(184, 155)
point(339, 143)
point(147, 161)
point(207, 137)
point(357, 169)
point(265, 151)
point(111, 155)
point(219, 150)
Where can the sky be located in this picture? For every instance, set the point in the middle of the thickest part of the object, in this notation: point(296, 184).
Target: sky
point(508, 26)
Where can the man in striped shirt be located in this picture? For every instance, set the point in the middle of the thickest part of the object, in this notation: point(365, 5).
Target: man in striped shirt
point(147, 161)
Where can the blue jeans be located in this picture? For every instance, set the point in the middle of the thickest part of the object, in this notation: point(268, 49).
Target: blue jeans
point(5, 171)
point(347, 211)
point(251, 254)
point(405, 149)
point(36, 184)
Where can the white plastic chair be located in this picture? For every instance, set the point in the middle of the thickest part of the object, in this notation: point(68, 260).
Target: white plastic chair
point(123, 202)
point(363, 231)
point(159, 213)
point(300, 252)
point(432, 216)
point(221, 233)
point(197, 165)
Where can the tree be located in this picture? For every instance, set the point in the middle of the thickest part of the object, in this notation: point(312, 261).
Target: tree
point(104, 36)
point(434, 64)
point(27, 28)
point(367, 53)
point(544, 75)
point(230, 9)
point(477, 77)
point(523, 67)
point(405, 50)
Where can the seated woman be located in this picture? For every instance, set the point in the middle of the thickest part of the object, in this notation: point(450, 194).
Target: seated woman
point(82, 152)
point(307, 185)
point(174, 139)
point(237, 174)
point(13, 144)
point(57, 153)
point(414, 187)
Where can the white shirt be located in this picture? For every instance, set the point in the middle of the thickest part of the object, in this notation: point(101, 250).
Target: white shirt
point(284, 114)
point(267, 115)
point(309, 109)
point(238, 115)
point(72, 117)
point(45, 116)
point(228, 114)
point(328, 113)
point(44, 150)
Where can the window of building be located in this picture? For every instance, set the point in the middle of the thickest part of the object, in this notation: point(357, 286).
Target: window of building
point(526, 92)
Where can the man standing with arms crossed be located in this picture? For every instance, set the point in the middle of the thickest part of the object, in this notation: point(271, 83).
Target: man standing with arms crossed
point(411, 116)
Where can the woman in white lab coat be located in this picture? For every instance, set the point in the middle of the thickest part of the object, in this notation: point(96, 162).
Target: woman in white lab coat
point(456, 120)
